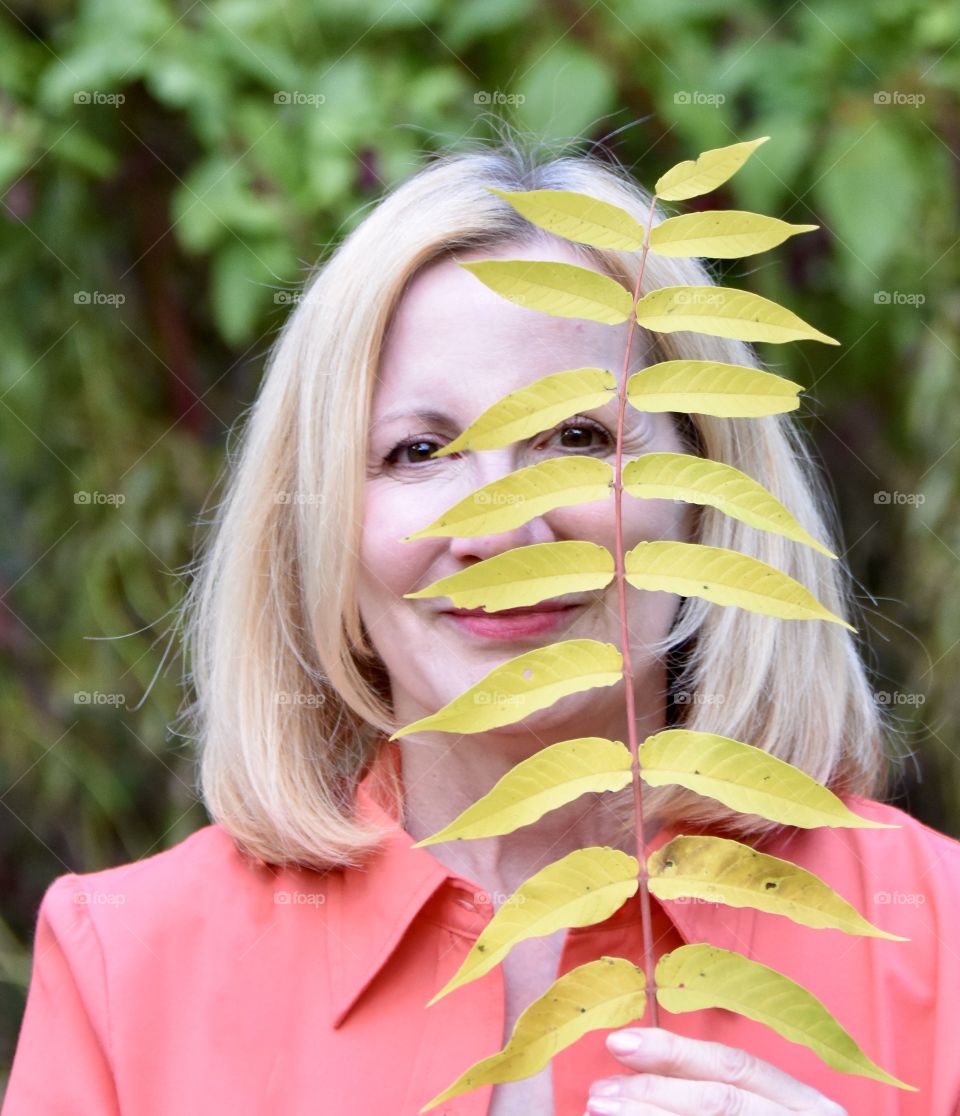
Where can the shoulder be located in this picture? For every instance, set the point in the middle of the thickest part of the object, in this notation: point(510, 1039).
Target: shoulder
point(194, 890)
point(906, 877)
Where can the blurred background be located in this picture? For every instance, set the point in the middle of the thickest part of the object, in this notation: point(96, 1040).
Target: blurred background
point(170, 170)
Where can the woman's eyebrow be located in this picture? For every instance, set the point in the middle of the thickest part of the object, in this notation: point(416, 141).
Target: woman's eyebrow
point(426, 416)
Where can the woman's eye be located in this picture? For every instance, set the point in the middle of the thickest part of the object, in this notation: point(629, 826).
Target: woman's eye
point(576, 432)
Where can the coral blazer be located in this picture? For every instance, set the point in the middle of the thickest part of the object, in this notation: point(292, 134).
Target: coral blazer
point(196, 981)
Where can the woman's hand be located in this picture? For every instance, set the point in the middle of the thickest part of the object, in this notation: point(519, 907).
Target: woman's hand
point(682, 1075)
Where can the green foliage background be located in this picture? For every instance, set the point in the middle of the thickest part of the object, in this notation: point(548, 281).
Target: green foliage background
point(169, 172)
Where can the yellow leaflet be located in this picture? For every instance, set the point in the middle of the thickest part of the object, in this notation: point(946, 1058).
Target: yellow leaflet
point(725, 577)
point(603, 994)
point(556, 775)
point(526, 575)
point(719, 870)
point(706, 172)
point(707, 387)
point(702, 976)
point(721, 234)
point(528, 682)
point(698, 480)
point(723, 312)
point(523, 495)
point(577, 217)
point(745, 778)
point(580, 889)
point(564, 290)
point(537, 407)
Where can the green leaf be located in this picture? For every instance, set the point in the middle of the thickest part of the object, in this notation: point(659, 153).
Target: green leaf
point(526, 575)
point(707, 387)
point(683, 476)
point(723, 312)
point(577, 217)
point(705, 173)
point(718, 870)
point(602, 994)
point(552, 777)
point(534, 408)
point(725, 577)
point(721, 234)
point(524, 684)
point(523, 495)
point(585, 887)
point(744, 778)
point(702, 976)
point(561, 289)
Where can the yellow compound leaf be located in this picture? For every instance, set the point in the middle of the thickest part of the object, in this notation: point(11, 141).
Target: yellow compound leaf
point(523, 495)
point(708, 387)
point(724, 312)
point(719, 870)
point(725, 577)
point(698, 480)
point(599, 995)
point(721, 234)
point(526, 575)
point(520, 686)
point(580, 889)
point(745, 778)
point(537, 407)
point(561, 289)
point(705, 173)
point(702, 976)
point(554, 776)
point(577, 217)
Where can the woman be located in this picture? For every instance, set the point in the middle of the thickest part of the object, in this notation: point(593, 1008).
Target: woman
point(280, 958)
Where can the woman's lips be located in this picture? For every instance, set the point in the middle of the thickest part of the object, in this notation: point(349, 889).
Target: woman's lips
point(511, 623)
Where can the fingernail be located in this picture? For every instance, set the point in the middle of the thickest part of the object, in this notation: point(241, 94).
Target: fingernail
point(598, 1107)
point(623, 1042)
point(604, 1089)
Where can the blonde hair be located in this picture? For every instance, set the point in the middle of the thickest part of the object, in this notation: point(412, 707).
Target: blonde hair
point(292, 702)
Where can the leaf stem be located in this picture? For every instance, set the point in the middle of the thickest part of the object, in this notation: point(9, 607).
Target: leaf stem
point(649, 960)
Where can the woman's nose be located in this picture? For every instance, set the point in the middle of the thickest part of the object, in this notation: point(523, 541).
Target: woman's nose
point(487, 546)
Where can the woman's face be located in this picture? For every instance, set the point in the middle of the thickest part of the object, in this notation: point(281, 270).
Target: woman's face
point(456, 347)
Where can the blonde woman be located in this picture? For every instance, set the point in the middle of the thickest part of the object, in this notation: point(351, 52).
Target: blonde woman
point(279, 959)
